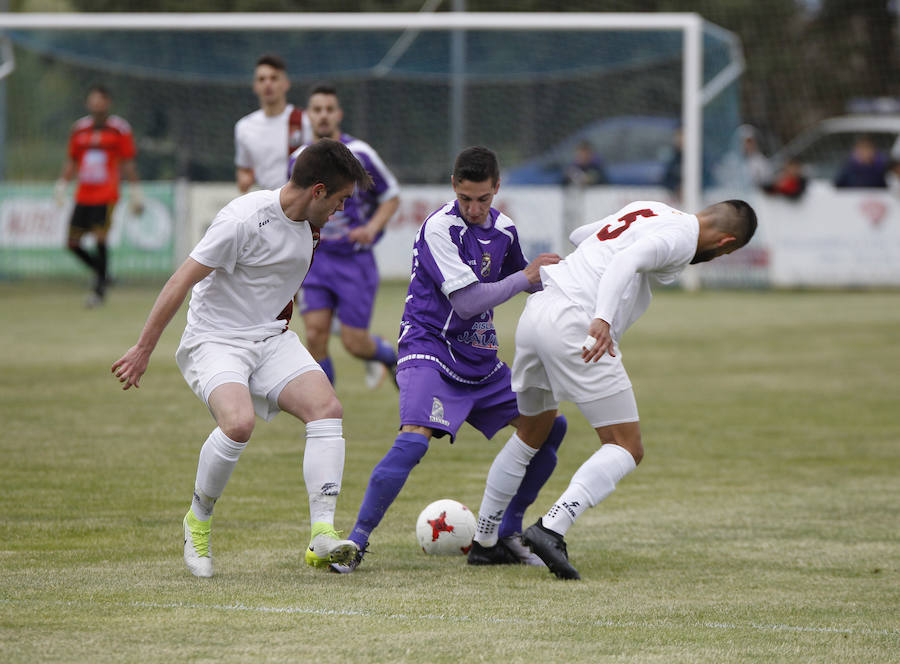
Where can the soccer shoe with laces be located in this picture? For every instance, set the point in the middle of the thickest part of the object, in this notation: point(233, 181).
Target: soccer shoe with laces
point(326, 547)
point(551, 548)
point(197, 550)
point(523, 553)
point(376, 372)
point(498, 554)
point(350, 566)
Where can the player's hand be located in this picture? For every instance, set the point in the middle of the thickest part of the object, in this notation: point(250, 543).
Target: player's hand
point(362, 236)
point(131, 366)
point(59, 192)
point(533, 269)
point(598, 341)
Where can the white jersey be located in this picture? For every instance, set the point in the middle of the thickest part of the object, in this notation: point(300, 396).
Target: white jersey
point(608, 275)
point(260, 259)
point(261, 143)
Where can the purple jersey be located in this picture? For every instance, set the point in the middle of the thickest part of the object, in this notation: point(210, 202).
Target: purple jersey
point(450, 254)
point(360, 207)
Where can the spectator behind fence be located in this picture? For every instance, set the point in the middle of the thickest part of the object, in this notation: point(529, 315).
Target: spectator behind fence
point(865, 167)
point(790, 181)
point(758, 166)
point(586, 168)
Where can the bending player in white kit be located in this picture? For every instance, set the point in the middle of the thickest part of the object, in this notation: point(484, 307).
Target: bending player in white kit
point(236, 352)
point(599, 290)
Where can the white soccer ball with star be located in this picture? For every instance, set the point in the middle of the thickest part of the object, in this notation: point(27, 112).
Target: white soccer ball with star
point(445, 528)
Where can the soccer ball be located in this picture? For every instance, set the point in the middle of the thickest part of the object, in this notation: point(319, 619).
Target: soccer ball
point(446, 527)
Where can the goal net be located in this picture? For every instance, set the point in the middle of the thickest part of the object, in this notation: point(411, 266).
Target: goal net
point(418, 87)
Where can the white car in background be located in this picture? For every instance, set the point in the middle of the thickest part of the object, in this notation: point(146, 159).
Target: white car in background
point(824, 148)
point(829, 236)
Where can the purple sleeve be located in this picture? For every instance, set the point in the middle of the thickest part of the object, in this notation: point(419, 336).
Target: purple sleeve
point(477, 298)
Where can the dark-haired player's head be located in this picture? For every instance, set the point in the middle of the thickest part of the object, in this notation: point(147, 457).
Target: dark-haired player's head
point(324, 110)
point(98, 102)
point(331, 163)
point(270, 82)
point(272, 60)
point(724, 227)
point(476, 164)
point(331, 172)
point(476, 179)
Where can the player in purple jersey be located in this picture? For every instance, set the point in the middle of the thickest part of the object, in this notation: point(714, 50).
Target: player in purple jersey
point(466, 260)
point(344, 276)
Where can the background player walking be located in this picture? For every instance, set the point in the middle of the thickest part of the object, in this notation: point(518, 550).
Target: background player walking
point(344, 277)
point(100, 146)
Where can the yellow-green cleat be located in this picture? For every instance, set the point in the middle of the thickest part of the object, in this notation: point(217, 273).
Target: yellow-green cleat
point(197, 551)
point(326, 547)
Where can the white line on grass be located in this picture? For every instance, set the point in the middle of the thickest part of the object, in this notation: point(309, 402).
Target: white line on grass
point(469, 619)
point(465, 619)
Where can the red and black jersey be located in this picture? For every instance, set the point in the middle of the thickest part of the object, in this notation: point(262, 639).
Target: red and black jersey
point(97, 150)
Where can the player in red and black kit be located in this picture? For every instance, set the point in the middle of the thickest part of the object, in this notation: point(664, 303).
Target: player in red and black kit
point(99, 147)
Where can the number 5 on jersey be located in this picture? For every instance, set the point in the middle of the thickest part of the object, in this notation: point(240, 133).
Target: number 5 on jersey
point(609, 232)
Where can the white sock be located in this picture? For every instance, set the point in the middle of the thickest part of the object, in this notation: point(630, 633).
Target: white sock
point(218, 457)
point(503, 481)
point(323, 467)
point(590, 485)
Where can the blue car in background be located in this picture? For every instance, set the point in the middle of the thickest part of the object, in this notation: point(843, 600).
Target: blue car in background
point(635, 150)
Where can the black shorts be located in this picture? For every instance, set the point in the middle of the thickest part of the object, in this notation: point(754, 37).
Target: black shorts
point(87, 218)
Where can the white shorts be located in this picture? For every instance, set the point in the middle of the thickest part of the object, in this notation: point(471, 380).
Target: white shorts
point(549, 339)
point(265, 367)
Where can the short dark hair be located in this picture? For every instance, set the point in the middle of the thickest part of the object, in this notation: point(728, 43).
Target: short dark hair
point(273, 60)
point(322, 88)
point(476, 164)
point(741, 222)
point(331, 163)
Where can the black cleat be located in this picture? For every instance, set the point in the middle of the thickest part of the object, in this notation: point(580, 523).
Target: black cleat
point(499, 554)
point(551, 548)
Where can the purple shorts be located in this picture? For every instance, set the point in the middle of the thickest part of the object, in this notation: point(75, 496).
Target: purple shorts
point(345, 283)
point(429, 399)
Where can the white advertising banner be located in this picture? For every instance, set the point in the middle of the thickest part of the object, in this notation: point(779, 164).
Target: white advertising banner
point(536, 211)
point(828, 238)
point(833, 237)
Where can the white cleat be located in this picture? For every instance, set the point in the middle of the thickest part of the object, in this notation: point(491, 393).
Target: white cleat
point(197, 550)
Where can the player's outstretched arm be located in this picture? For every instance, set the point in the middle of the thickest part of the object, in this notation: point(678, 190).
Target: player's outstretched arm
point(131, 366)
point(365, 235)
point(533, 269)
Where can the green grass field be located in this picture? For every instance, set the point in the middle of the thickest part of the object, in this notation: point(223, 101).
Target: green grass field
point(762, 526)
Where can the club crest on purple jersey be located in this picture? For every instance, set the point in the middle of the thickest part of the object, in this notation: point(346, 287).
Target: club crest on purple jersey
point(485, 264)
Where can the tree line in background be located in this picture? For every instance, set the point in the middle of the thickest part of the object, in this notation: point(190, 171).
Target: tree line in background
point(805, 59)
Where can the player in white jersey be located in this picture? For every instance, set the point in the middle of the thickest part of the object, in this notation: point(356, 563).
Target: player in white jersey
point(567, 348)
point(237, 353)
point(265, 138)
